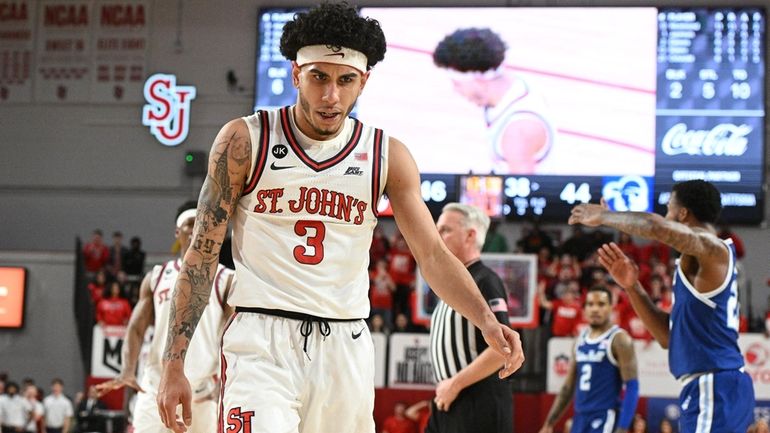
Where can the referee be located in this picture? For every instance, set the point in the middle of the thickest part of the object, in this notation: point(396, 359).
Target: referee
point(470, 398)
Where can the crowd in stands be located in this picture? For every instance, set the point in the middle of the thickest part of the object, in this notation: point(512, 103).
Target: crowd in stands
point(114, 273)
point(566, 270)
point(24, 408)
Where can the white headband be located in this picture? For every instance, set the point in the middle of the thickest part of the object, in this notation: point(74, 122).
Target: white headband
point(189, 213)
point(325, 54)
point(489, 74)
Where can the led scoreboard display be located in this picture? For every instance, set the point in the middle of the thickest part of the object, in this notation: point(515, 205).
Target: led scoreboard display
point(633, 100)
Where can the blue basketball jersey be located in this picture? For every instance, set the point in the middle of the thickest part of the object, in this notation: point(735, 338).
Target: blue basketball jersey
point(598, 377)
point(704, 326)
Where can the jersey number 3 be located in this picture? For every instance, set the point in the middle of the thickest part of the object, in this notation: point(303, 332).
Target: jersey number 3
point(314, 245)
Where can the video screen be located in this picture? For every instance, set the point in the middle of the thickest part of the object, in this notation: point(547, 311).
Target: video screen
point(12, 292)
point(576, 103)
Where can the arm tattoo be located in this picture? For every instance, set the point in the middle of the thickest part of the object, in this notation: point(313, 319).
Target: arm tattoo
point(216, 203)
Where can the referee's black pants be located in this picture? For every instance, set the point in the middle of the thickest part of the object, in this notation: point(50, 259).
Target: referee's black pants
point(484, 407)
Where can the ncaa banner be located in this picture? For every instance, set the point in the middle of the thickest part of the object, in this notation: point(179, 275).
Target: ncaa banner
point(380, 341)
point(655, 379)
point(17, 22)
point(121, 40)
point(63, 51)
point(106, 357)
point(167, 111)
point(409, 363)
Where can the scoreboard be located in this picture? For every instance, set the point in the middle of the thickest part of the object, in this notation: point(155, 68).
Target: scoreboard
point(668, 95)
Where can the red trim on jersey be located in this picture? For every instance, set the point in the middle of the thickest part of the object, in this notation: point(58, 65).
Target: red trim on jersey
point(216, 286)
point(259, 162)
point(177, 264)
point(160, 275)
point(376, 170)
point(300, 152)
point(223, 376)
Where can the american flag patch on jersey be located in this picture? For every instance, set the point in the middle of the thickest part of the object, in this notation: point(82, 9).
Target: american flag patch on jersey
point(498, 305)
point(361, 156)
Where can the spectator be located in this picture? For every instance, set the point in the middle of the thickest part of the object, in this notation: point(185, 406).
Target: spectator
point(666, 426)
point(666, 301)
point(398, 422)
point(134, 261)
point(402, 324)
point(113, 310)
point(725, 232)
point(33, 409)
point(88, 418)
point(566, 313)
point(13, 412)
point(96, 255)
point(627, 245)
point(402, 269)
point(767, 318)
point(419, 413)
point(378, 325)
point(533, 238)
point(118, 253)
point(494, 242)
point(380, 246)
point(97, 287)
point(578, 245)
point(759, 426)
point(639, 425)
point(58, 409)
point(381, 290)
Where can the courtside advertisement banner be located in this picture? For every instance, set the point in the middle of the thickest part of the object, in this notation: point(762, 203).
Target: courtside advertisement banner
point(106, 356)
point(409, 363)
point(380, 341)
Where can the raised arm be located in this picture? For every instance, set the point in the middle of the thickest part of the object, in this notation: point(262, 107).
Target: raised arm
point(623, 350)
point(443, 272)
point(229, 163)
point(626, 274)
point(142, 317)
point(562, 399)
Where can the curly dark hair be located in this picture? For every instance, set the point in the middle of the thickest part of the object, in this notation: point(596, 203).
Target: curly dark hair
point(335, 25)
point(472, 49)
point(701, 198)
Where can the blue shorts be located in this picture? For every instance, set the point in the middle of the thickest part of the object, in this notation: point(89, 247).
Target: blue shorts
point(720, 402)
point(602, 421)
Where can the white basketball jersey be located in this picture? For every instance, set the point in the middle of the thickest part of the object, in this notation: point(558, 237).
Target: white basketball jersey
point(202, 360)
point(518, 101)
point(302, 228)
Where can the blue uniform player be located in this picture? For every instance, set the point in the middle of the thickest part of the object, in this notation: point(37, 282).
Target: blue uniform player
point(602, 363)
point(701, 332)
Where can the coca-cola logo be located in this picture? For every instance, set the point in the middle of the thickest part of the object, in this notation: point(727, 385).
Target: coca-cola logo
point(725, 139)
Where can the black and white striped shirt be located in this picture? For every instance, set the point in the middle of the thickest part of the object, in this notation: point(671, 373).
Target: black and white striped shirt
point(454, 341)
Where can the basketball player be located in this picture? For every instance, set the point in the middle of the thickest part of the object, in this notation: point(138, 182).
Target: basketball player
point(520, 131)
point(701, 332)
point(301, 185)
point(469, 396)
point(154, 308)
point(603, 363)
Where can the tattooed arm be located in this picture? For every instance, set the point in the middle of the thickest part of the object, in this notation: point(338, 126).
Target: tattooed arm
point(563, 398)
point(686, 240)
point(229, 162)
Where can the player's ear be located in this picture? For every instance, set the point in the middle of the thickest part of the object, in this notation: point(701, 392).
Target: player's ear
point(364, 79)
point(295, 70)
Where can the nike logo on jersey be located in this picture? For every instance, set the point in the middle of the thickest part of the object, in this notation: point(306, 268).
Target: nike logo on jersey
point(356, 335)
point(342, 55)
point(280, 167)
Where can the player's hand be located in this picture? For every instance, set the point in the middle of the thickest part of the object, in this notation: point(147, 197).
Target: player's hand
point(621, 268)
point(588, 214)
point(505, 341)
point(446, 393)
point(546, 428)
point(174, 390)
point(118, 383)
